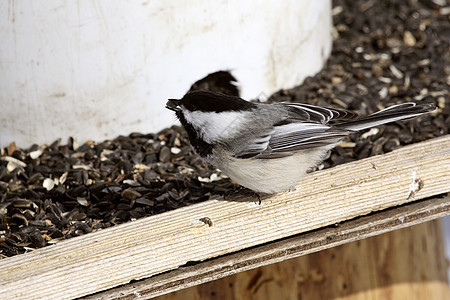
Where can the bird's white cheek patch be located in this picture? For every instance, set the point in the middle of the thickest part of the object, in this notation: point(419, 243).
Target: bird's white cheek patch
point(213, 126)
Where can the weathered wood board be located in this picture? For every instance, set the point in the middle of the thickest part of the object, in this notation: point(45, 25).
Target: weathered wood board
point(270, 254)
point(150, 246)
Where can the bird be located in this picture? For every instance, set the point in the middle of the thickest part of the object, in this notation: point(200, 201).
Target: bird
point(268, 147)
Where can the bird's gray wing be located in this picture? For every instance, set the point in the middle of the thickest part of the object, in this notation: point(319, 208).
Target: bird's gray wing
point(284, 139)
point(303, 127)
point(316, 114)
point(302, 136)
point(307, 126)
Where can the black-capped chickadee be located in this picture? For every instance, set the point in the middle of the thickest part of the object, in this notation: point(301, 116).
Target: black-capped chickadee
point(268, 147)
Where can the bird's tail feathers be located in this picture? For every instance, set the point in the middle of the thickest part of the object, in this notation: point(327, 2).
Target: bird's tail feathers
point(387, 115)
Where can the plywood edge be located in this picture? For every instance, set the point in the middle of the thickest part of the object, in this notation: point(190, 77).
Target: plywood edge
point(150, 246)
point(302, 244)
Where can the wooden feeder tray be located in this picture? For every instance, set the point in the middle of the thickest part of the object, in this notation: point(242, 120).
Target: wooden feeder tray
point(216, 238)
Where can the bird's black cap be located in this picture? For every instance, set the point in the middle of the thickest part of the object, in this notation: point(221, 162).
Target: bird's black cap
point(210, 102)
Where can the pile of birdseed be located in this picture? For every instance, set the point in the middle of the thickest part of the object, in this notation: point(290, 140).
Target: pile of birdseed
point(384, 52)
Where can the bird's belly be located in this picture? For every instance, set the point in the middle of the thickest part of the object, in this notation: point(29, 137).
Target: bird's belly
point(273, 175)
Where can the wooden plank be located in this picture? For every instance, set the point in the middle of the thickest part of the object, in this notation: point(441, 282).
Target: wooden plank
point(272, 253)
point(150, 246)
point(408, 263)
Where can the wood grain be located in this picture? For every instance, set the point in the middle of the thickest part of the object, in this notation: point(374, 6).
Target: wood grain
point(349, 231)
point(408, 263)
point(150, 246)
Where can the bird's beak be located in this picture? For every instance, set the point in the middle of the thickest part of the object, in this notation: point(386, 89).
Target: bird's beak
point(173, 104)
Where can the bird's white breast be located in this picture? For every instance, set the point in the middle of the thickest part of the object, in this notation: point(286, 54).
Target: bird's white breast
point(273, 175)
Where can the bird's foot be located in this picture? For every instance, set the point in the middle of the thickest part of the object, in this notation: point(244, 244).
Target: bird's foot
point(242, 191)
